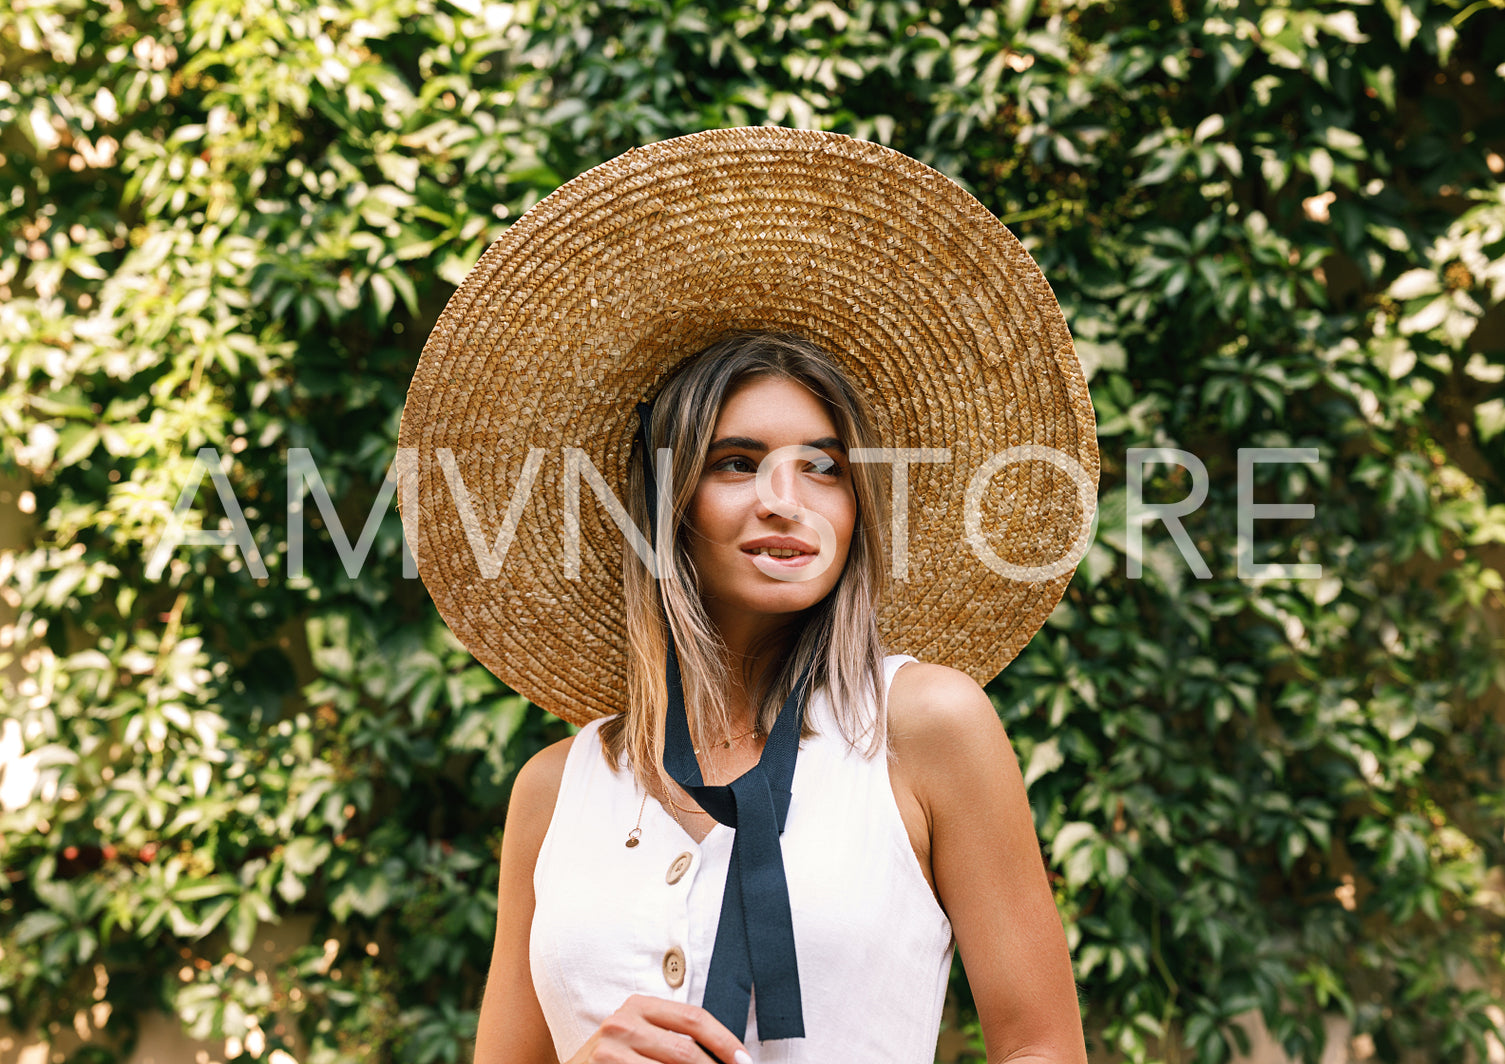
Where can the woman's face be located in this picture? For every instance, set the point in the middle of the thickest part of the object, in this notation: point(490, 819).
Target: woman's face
point(773, 543)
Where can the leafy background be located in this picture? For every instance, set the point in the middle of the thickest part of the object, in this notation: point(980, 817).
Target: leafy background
point(229, 225)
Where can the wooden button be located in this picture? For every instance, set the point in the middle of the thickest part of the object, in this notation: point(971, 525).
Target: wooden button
point(674, 967)
point(680, 866)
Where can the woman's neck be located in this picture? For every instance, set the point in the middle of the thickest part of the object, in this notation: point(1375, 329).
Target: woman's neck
point(748, 656)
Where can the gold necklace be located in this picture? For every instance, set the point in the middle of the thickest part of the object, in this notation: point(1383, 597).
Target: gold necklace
point(676, 805)
point(726, 744)
point(636, 833)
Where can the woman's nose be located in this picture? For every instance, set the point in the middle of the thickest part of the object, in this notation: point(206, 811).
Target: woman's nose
point(782, 492)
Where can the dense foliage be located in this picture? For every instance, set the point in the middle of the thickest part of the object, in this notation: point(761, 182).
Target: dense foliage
point(1278, 225)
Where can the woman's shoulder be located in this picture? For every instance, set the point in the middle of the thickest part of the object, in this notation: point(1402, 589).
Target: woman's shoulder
point(937, 698)
point(547, 765)
point(936, 714)
point(536, 789)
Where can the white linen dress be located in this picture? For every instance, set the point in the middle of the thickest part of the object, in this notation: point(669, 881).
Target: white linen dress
point(609, 921)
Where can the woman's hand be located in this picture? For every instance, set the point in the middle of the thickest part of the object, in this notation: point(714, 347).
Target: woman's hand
point(654, 1029)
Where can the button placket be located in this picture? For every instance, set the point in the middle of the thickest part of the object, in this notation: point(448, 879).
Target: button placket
point(678, 876)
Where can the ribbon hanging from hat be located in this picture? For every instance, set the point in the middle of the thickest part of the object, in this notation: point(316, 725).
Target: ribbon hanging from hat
point(755, 937)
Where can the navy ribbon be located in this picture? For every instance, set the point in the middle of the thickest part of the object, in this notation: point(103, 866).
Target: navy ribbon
point(755, 938)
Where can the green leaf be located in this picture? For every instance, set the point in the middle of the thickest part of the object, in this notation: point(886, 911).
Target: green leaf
point(1489, 419)
point(367, 893)
point(1320, 163)
point(1046, 757)
point(304, 856)
point(38, 924)
point(1414, 284)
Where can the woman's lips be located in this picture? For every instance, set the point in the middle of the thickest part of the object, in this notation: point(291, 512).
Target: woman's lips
point(774, 563)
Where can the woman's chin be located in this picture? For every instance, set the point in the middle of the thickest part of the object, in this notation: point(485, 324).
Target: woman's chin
point(782, 601)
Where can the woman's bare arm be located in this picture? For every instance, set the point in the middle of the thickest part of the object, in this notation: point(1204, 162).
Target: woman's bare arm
point(987, 866)
point(511, 1029)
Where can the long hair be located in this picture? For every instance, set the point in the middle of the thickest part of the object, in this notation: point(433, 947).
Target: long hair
point(837, 638)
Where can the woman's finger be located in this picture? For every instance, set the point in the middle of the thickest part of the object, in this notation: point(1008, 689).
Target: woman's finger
point(684, 1019)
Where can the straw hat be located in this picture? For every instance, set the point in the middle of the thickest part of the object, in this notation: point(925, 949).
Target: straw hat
point(594, 296)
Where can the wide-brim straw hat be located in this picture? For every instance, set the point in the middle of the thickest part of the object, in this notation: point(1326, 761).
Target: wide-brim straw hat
point(596, 295)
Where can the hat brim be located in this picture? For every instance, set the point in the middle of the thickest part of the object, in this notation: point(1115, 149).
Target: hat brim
point(591, 299)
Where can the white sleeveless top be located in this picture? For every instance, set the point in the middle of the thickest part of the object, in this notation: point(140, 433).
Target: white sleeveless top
point(610, 921)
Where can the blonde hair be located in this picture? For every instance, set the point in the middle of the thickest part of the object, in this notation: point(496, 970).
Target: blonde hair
point(837, 638)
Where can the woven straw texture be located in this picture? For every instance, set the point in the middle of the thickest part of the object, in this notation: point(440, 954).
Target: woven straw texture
point(591, 299)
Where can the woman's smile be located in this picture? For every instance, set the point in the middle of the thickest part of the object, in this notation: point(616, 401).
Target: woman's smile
point(773, 554)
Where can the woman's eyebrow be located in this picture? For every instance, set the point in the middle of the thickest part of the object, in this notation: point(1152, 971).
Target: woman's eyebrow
point(747, 443)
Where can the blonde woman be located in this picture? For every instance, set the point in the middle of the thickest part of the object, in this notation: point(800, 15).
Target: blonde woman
point(770, 835)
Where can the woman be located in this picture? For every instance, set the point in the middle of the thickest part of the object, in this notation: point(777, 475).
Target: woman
point(767, 907)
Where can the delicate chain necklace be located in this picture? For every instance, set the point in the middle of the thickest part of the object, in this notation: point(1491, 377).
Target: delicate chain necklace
point(682, 809)
point(726, 744)
point(636, 833)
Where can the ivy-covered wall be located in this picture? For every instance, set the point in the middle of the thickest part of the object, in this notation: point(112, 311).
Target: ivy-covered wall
point(226, 227)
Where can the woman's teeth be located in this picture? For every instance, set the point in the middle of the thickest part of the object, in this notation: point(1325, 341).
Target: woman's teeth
point(779, 552)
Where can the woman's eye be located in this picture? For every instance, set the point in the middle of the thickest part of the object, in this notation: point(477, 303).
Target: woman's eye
point(735, 464)
point(738, 464)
